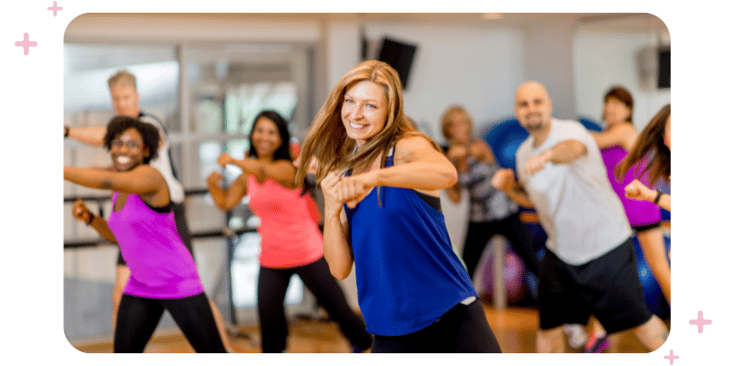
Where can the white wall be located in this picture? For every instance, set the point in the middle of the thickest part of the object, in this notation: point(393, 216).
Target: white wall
point(549, 57)
point(476, 66)
point(604, 59)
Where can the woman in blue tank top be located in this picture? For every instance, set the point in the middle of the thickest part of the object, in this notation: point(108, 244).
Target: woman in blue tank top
point(381, 181)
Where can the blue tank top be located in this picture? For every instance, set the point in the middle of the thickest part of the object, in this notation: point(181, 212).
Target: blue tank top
point(407, 274)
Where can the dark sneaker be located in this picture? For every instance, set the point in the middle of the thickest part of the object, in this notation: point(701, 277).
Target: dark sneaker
point(596, 344)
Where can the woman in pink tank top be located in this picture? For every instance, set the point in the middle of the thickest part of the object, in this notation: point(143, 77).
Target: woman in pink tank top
point(163, 275)
point(291, 242)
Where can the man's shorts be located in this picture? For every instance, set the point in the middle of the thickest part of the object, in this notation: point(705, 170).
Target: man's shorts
point(607, 287)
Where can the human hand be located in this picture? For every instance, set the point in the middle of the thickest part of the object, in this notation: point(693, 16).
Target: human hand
point(503, 179)
point(80, 211)
point(214, 179)
point(225, 159)
point(351, 190)
point(638, 191)
point(537, 163)
point(332, 206)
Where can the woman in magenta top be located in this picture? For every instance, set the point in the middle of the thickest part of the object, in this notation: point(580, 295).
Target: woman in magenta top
point(163, 273)
point(291, 242)
point(615, 141)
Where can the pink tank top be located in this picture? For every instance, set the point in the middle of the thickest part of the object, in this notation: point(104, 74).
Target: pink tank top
point(161, 267)
point(289, 235)
point(639, 213)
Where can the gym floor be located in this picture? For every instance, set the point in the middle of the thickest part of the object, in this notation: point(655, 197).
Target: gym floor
point(514, 327)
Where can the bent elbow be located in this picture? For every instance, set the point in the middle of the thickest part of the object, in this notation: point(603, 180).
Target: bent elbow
point(342, 274)
point(580, 149)
point(228, 206)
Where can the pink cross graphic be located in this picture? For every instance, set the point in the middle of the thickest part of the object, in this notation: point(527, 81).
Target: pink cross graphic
point(671, 357)
point(700, 322)
point(25, 43)
point(55, 8)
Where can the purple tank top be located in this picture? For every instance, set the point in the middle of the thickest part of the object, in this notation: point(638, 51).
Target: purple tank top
point(161, 267)
point(639, 213)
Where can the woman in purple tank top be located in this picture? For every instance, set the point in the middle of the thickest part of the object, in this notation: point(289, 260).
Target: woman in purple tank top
point(615, 141)
point(654, 140)
point(163, 273)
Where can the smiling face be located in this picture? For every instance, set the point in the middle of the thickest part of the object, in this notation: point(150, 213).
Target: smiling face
point(615, 112)
point(533, 108)
point(128, 150)
point(265, 138)
point(364, 111)
point(125, 100)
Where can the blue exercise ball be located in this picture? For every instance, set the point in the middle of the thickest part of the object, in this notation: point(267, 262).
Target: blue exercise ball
point(504, 138)
point(590, 124)
point(653, 296)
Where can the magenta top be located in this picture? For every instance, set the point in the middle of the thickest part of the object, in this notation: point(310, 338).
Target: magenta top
point(289, 235)
point(639, 213)
point(161, 267)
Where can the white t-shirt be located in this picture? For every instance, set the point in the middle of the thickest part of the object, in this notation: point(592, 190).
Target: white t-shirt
point(581, 214)
point(162, 162)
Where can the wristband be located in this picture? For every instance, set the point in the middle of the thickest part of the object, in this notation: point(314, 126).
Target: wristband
point(91, 218)
point(66, 131)
point(656, 199)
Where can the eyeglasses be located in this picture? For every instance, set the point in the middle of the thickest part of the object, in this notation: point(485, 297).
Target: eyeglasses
point(117, 143)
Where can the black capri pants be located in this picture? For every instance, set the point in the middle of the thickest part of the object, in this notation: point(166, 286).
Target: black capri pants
point(138, 317)
point(462, 329)
point(316, 276)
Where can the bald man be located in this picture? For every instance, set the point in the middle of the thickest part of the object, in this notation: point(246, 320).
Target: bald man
point(589, 267)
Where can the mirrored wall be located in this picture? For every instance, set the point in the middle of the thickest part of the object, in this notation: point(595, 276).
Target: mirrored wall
point(207, 96)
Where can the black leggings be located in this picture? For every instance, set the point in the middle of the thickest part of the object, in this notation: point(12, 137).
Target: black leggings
point(462, 329)
point(273, 283)
point(479, 234)
point(137, 318)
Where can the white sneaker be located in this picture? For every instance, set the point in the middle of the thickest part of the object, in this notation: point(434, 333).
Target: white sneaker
point(576, 335)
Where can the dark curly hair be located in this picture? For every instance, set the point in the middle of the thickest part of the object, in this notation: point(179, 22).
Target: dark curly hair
point(283, 151)
point(149, 133)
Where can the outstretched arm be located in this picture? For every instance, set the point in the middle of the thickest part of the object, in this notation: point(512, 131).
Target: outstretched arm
point(227, 198)
point(281, 171)
point(562, 153)
point(142, 180)
point(621, 135)
point(82, 213)
point(417, 165)
point(93, 135)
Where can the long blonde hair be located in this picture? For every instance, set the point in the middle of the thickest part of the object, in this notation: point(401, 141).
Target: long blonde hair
point(326, 139)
